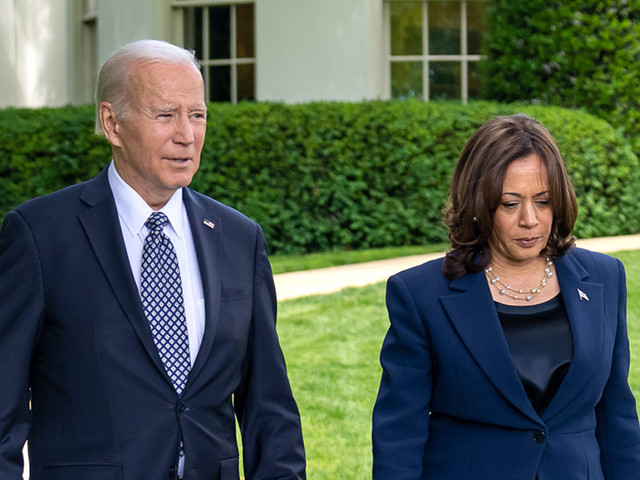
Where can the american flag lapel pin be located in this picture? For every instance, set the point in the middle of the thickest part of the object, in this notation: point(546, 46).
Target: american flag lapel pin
point(582, 295)
point(209, 223)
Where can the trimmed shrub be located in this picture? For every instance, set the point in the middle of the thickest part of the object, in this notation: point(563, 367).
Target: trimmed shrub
point(570, 53)
point(333, 175)
point(43, 150)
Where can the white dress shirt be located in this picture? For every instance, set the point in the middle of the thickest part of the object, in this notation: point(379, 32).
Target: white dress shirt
point(133, 211)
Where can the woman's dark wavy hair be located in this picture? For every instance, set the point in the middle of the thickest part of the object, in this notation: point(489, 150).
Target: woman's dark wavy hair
point(476, 190)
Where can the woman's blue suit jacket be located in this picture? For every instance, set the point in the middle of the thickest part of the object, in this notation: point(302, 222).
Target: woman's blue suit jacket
point(452, 407)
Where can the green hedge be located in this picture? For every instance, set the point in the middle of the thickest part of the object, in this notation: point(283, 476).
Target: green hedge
point(570, 53)
point(332, 175)
point(46, 149)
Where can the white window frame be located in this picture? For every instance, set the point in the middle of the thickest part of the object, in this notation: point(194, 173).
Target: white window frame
point(84, 51)
point(233, 61)
point(464, 58)
point(89, 11)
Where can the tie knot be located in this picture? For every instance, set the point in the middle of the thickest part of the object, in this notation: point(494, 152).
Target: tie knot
point(156, 221)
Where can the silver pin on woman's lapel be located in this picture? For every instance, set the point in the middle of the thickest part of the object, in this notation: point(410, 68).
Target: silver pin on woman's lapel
point(582, 295)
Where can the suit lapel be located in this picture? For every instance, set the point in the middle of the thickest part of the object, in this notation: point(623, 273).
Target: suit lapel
point(473, 314)
point(207, 237)
point(102, 226)
point(584, 302)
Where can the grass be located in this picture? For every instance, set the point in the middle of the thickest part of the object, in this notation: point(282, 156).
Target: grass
point(631, 261)
point(332, 344)
point(294, 263)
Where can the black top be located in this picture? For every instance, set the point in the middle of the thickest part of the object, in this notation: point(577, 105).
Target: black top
point(539, 338)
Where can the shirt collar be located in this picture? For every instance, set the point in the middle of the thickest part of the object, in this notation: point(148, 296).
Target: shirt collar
point(134, 211)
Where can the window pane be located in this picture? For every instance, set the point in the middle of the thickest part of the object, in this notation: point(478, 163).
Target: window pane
point(220, 84)
point(444, 28)
point(474, 81)
point(246, 82)
point(406, 28)
point(193, 31)
point(219, 32)
point(406, 79)
point(245, 40)
point(444, 80)
point(475, 25)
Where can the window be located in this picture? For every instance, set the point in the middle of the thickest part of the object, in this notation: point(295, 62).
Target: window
point(434, 48)
point(222, 36)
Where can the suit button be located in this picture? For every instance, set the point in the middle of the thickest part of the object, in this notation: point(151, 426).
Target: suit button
point(182, 408)
point(173, 471)
point(539, 437)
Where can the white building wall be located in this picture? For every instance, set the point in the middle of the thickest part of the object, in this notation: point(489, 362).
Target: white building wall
point(124, 21)
point(306, 50)
point(318, 50)
point(8, 79)
point(33, 53)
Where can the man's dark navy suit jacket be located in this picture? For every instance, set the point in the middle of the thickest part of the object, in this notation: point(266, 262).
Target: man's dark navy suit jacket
point(75, 341)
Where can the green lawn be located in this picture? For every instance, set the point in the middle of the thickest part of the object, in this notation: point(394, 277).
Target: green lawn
point(631, 262)
point(332, 343)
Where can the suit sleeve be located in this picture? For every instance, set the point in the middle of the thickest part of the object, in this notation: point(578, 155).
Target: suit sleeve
point(401, 412)
point(21, 308)
point(267, 412)
point(617, 430)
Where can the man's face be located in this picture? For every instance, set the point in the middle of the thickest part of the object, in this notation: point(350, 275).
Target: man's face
point(157, 146)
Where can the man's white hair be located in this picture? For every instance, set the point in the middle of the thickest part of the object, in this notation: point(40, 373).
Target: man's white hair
point(114, 80)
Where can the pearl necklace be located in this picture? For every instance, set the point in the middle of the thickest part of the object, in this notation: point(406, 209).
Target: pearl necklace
point(525, 295)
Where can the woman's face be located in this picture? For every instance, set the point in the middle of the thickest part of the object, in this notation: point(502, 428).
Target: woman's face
point(522, 223)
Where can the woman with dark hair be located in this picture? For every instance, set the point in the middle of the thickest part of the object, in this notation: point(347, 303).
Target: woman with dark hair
point(509, 358)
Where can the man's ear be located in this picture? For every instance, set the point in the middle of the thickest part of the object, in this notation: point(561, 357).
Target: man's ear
point(110, 123)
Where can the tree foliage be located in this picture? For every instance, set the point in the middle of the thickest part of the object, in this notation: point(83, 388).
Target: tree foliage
point(570, 53)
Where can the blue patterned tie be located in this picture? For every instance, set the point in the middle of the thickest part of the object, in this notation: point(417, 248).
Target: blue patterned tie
point(161, 294)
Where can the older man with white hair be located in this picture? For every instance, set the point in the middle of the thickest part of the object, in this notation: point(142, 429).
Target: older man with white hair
point(138, 316)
